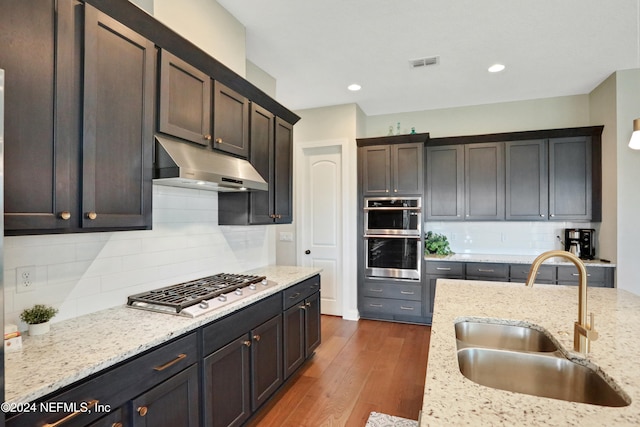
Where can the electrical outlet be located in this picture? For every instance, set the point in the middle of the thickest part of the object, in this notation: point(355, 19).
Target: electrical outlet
point(26, 279)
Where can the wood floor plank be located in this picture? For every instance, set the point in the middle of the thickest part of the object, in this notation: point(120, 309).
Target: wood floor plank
point(360, 367)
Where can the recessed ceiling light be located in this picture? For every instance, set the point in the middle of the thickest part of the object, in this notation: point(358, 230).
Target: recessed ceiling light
point(354, 87)
point(496, 68)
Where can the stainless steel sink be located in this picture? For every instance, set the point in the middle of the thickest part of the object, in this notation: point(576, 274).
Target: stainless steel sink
point(500, 336)
point(538, 374)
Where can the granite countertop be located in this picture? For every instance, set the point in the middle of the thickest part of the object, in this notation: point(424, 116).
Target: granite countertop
point(511, 259)
point(79, 347)
point(452, 399)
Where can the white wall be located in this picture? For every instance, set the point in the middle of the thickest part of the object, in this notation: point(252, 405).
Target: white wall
point(602, 102)
point(548, 113)
point(261, 79)
point(209, 26)
point(627, 109)
point(81, 273)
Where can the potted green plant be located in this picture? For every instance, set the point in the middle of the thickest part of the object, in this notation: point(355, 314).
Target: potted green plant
point(436, 244)
point(38, 317)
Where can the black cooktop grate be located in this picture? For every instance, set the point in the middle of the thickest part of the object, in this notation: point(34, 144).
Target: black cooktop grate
point(189, 293)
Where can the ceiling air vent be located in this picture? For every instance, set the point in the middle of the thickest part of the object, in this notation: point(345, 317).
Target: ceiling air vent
point(424, 62)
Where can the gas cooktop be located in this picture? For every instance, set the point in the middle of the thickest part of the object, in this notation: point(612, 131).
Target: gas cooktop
point(200, 296)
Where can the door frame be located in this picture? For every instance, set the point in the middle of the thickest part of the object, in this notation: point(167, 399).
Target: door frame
point(348, 212)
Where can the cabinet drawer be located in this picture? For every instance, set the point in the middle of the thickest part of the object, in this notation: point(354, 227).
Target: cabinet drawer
point(118, 385)
point(520, 272)
point(302, 290)
point(392, 306)
point(223, 331)
point(569, 274)
point(445, 268)
point(488, 270)
point(392, 290)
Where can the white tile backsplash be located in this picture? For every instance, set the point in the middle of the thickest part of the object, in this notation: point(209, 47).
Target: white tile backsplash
point(504, 238)
point(84, 272)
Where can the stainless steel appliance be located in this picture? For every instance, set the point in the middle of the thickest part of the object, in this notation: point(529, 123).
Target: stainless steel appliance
point(580, 242)
point(393, 256)
point(197, 297)
point(393, 237)
point(393, 215)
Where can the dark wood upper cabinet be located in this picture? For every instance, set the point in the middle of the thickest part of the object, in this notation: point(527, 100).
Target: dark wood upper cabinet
point(484, 181)
point(185, 100)
point(41, 57)
point(391, 166)
point(526, 180)
point(230, 121)
point(119, 80)
point(570, 179)
point(445, 183)
point(283, 172)
point(262, 158)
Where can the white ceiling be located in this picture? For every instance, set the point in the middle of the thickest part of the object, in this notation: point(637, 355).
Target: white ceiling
point(314, 49)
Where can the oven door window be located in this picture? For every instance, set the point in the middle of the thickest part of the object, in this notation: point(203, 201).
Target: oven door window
point(397, 257)
point(398, 220)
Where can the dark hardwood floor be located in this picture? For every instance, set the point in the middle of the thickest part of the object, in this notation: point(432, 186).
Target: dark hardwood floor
point(360, 367)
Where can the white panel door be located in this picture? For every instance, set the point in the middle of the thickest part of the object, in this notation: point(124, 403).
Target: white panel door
point(322, 221)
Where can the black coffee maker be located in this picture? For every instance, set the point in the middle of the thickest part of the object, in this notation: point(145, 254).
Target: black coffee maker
point(580, 242)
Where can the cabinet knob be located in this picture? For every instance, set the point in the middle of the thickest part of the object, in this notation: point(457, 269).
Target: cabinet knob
point(65, 215)
point(219, 141)
point(308, 304)
point(256, 337)
point(142, 410)
point(247, 343)
point(207, 137)
point(542, 215)
point(116, 425)
point(302, 307)
point(92, 215)
point(552, 215)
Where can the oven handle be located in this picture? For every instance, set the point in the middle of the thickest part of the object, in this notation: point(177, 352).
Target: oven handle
point(390, 236)
point(394, 209)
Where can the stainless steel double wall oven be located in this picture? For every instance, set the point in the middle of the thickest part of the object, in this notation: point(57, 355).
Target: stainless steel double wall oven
point(392, 237)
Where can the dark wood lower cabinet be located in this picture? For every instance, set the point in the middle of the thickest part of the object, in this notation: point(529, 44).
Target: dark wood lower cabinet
point(226, 385)
point(172, 403)
point(219, 375)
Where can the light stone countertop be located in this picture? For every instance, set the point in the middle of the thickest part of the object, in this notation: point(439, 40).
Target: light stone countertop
point(510, 259)
point(452, 399)
point(79, 347)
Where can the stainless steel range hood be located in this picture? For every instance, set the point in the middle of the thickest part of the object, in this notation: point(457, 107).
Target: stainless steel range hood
point(179, 164)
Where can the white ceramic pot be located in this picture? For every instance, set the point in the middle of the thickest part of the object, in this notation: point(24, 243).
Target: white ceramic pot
point(39, 328)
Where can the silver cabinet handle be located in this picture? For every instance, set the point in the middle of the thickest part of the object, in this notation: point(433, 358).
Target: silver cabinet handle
point(485, 270)
point(443, 268)
point(375, 305)
point(407, 292)
point(402, 307)
point(375, 290)
point(576, 274)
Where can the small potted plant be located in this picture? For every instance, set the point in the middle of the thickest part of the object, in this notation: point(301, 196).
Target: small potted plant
point(38, 317)
point(436, 244)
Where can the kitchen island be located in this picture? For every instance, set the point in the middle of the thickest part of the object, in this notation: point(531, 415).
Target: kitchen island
point(83, 346)
point(452, 399)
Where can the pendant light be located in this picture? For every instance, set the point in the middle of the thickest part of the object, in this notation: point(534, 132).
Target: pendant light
point(634, 142)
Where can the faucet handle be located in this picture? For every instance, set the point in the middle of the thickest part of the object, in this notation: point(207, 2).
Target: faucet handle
point(592, 334)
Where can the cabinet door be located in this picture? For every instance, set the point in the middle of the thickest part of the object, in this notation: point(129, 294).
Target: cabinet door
point(266, 361)
point(262, 158)
point(115, 418)
point(407, 168)
point(376, 170)
point(312, 324)
point(445, 183)
point(484, 181)
point(294, 345)
point(570, 174)
point(283, 170)
point(526, 180)
point(40, 56)
point(185, 100)
point(227, 397)
point(118, 124)
point(172, 403)
point(230, 121)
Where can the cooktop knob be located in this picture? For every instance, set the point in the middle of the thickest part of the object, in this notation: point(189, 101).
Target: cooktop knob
point(204, 304)
point(264, 282)
point(252, 286)
point(238, 291)
point(222, 298)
